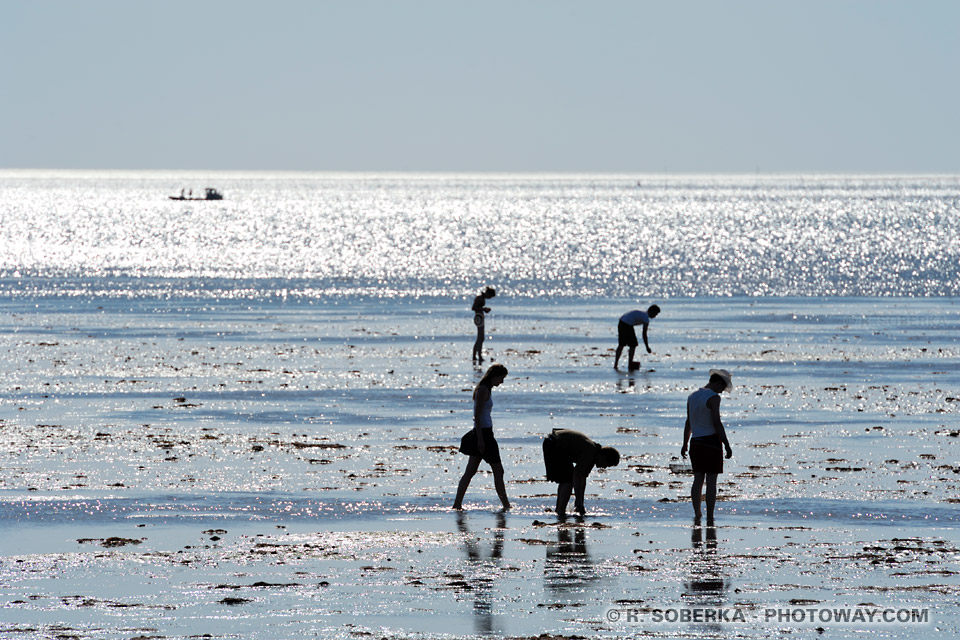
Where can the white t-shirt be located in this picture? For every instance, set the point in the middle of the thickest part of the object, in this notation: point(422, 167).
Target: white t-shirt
point(701, 423)
point(635, 317)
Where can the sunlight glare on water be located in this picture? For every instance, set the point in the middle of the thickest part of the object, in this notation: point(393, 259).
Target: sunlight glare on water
point(585, 236)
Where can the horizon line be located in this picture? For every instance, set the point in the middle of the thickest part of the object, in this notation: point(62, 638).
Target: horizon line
point(497, 172)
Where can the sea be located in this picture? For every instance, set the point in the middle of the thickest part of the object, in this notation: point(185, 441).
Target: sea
point(239, 418)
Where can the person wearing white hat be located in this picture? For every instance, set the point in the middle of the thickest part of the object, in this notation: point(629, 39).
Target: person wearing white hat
point(705, 434)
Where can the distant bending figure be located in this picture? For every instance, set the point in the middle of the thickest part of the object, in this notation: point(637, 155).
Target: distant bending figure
point(479, 443)
point(627, 335)
point(570, 456)
point(479, 313)
point(704, 432)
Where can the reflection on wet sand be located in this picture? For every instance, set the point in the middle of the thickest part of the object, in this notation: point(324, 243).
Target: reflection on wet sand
point(569, 566)
point(708, 584)
point(481, 570)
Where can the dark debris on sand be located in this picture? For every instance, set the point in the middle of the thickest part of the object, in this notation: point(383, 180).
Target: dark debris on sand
point(547, 636)
point(111, 542)
point(258, 585)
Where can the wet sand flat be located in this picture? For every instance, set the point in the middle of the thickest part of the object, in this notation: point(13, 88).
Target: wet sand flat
point(263, 469)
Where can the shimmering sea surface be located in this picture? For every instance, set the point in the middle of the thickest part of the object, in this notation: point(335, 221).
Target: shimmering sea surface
point(398, 235)
point(237, 419)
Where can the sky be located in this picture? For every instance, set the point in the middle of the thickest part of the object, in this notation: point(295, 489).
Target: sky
point(848, 86)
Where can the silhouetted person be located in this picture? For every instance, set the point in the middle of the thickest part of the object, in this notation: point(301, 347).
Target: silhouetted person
point(479, 443)
point(704, 432)
point(479, 314)
point(627, 334)
point(570, 456)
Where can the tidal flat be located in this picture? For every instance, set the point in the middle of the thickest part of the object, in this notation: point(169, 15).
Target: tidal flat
point(284, 467)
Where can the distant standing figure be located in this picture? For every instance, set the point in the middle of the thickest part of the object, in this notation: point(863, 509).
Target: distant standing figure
point(704, 432)
point(570, 456)
point(479, 443)
point(627, 335)
point(479, 313)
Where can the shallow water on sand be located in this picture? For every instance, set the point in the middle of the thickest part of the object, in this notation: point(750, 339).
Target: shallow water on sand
point(298, 457)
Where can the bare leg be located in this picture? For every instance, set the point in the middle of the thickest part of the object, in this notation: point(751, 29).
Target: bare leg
point(616, 360)
point(630, 356)
point(478, 345)
point(711, 496)
point(563, 497)
point(695, 494)
point(498, 483)
point(472, 465)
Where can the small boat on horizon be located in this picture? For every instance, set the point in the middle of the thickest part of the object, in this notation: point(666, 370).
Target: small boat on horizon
point(209, 194)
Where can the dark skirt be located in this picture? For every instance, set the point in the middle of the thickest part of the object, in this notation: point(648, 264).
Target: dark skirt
point(626, 335)
point(706, 454)
point(491, 453)
point(559, 466)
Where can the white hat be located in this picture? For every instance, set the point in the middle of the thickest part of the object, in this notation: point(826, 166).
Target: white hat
point(723, 373)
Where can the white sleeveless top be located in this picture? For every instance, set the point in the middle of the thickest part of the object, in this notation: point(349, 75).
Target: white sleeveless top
point(701, 424)
point(485, 421)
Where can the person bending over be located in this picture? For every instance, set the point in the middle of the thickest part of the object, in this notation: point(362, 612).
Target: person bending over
point(627, 334)
point(570, 456)
point(479, 314)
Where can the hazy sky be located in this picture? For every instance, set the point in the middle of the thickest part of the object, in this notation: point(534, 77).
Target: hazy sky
point(807, 85)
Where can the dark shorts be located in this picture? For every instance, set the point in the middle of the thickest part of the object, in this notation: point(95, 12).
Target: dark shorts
point(626, 335)
point(491, 453)
point(478, 320)
point(706, 454)
point(559, 466)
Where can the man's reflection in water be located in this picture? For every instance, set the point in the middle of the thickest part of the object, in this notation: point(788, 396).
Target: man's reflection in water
point(635, 381)
point(482, 569)
point(568, 565)
point(708, 585)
